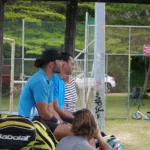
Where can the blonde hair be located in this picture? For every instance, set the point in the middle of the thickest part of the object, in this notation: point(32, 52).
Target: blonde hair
point(84, 123)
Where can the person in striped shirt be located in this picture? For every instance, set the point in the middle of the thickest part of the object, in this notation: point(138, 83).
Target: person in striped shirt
point(70, 94)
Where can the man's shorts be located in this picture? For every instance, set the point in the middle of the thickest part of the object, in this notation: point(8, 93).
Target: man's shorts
point(52, 126)
point(69, 120)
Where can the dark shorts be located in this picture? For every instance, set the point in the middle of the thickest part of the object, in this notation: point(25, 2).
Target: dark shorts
point(51, 125)
point(74, 113)
point(69, 120)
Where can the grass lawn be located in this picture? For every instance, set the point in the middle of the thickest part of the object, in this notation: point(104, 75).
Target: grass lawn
point(133, 133)
point(5, 103)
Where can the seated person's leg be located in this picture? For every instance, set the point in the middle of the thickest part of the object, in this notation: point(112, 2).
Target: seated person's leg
point(59, 130)
point(62, 130)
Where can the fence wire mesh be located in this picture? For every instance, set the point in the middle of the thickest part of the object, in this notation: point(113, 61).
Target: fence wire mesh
point(120, 43)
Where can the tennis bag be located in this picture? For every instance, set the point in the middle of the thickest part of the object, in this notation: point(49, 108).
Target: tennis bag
point(16, 132)
point(114, 142)
point(45, 139)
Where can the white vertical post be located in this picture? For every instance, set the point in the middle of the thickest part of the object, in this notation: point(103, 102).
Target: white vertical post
point(12, 77)
point(99, 64)
point(85, 60)
point(106, 72)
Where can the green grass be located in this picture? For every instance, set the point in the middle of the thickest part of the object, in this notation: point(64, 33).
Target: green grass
point(133, 133)
point(5, 101)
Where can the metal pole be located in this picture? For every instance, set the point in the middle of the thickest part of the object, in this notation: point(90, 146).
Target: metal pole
point(1, 46)
point(106, 72)
point(12, 73)
point(85, 59)
point(12, 77)
point(129, 76)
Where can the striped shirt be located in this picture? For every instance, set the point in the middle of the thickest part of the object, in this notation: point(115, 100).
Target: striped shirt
point(70, 96)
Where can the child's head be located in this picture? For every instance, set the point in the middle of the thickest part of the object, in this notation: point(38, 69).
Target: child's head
point(84, 123)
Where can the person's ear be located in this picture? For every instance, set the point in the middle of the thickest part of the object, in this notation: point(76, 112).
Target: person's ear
point(64, 63)
point(51, 64)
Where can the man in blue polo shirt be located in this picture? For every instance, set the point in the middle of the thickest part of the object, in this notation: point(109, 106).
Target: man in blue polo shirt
point(35, 90)
point(38, 92)
point(59, 87)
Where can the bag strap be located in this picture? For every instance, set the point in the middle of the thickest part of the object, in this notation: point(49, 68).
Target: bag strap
point(11, 116)
point(45, 126)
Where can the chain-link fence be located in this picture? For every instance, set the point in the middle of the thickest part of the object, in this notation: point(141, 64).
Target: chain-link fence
point(122, 43)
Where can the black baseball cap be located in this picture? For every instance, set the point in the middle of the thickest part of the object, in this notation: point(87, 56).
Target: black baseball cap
point(51, 55)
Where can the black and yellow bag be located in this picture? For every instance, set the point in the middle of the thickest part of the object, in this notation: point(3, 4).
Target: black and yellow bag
point(16, 132)
point(45, 140)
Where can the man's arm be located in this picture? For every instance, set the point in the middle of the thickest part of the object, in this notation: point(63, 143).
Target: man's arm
point(61, 112)
point(52, 110)
point(102, 143)
point(59, 86)
point(43, 110)
point(47, 112)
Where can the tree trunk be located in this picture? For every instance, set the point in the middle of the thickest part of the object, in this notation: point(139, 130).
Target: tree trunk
point(70, 27)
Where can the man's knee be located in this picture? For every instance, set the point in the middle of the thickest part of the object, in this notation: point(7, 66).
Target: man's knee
point(62, 130)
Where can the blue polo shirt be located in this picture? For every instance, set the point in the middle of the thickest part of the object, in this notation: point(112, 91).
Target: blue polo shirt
point(59, 89)
point(37, 89)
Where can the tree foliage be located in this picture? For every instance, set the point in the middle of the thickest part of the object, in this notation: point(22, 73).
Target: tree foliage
point(41, 31)
point(128, 14)
point(44, 25)
point(45, 28)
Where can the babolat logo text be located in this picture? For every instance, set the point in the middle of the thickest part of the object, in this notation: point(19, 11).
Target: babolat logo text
point(11, 137)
